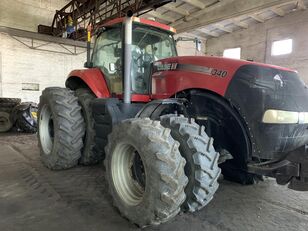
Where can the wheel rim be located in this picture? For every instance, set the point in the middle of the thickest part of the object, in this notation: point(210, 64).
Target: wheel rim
point(128, 174)
point(46, 129)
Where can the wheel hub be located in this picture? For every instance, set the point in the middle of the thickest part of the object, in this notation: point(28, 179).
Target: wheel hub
point(128, 174)
point(46, 129)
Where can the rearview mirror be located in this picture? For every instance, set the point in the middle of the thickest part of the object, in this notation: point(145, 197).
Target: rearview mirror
point(88, 65)
point(198, 44)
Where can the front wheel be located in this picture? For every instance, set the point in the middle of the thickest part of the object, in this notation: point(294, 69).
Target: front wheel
point(201, 160)
point(60, 128)
point(145, 172)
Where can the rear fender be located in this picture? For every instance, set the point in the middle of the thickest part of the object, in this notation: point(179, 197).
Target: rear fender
point(92, 78)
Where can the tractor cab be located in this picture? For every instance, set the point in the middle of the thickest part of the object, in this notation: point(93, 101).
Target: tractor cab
point(150, 41)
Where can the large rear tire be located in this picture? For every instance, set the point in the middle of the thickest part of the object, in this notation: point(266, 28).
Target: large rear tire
point(61, 128)
point(89, 155)
point(201, 160)
point(145, 172)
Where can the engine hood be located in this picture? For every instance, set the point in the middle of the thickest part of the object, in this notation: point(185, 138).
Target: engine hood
point(175, 74)
point(213, 62)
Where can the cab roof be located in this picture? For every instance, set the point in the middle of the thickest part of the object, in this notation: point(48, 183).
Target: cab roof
point(142, 21)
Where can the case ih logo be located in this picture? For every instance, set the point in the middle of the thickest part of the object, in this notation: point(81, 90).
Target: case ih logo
point(159, 67)
point(165, 66)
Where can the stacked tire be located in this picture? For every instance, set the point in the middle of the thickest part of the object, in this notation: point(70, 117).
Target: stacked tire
point(24, 116)
point(6, 107)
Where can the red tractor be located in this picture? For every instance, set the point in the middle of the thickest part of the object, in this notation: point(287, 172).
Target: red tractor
point(150, 114)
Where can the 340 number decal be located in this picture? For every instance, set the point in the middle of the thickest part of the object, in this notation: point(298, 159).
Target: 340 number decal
point(219, 73)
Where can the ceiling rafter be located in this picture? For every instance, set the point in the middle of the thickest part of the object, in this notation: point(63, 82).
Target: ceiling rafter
point(239, 23)
point(208, 32)
point(216, 12)
point(160, 16)
point(195, 3)
point(258, 18)
point(278, 11)
point(301, 5)
point(222, 28)
point(178, 10)
point(205, 15)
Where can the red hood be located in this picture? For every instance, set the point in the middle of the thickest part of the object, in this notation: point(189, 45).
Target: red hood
point(217, 62)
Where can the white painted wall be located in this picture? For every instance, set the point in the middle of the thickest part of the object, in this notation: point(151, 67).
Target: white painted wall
point(188, 48)
point(20, 64)
point(256, 42)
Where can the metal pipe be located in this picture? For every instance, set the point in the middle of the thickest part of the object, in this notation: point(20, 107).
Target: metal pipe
point(89, 45)
point(127, 58)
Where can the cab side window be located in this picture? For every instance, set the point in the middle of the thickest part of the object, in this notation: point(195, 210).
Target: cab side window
point(107, 56)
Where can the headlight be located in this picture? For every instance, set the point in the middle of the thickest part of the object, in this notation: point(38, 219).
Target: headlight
point(284, 117)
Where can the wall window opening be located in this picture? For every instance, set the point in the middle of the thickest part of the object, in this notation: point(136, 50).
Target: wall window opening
point(282, 47)
point(233, 53)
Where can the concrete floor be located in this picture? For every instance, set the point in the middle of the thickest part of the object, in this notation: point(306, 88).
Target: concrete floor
point(35, 198)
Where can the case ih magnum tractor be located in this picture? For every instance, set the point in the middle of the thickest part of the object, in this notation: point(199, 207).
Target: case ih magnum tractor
point(150, 114)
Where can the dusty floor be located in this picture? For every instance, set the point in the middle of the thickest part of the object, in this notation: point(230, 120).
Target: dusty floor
point(35, 198)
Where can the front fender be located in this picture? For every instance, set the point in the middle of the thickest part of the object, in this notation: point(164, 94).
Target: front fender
point(157, 108)
point(93, 78)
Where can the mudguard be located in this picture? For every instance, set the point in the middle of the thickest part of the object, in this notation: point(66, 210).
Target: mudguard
point(93, 78)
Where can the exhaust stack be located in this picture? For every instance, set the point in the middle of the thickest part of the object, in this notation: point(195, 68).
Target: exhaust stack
point(127, 57)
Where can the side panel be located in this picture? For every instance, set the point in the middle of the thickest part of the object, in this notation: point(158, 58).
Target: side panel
point(94, 79)
point(177, 74)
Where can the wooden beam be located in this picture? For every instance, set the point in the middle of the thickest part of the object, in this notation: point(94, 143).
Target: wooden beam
point(160, 16)
point(177, 10)
point(240, 23)
point(195, 3)
point(301, 5)
point(208, 32)
point(222, 28)
point(210, 6)
point(278, 11)
point(225, 10)
point(257, 18)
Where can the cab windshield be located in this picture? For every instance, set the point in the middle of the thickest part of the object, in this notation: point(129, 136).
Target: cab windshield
point(148, 45)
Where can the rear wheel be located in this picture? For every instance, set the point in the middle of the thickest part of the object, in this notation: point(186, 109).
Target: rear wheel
point(89, 155)
point(61, 128)
point(145, 172)
point(201, 160)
